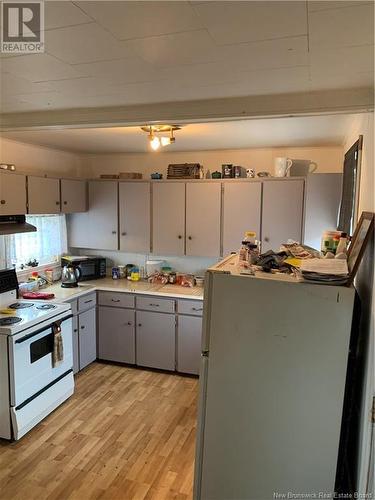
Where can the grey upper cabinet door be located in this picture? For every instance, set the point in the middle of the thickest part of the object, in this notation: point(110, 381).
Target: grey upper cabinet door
point(189, 338)
point(241, 212)
point(12, 194)
point(87, 337)
point(282, 212)
point(168, 212)
point(97, 228)
point(155, 340)
point(135, 228)
point(73, 196)
point(43, 195)
point(116, 334)
point(203, 215)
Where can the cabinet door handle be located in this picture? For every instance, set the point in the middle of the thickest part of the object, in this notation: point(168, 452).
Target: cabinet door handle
point(82, 327)
point(154, 305)
point(197, 308)
point(114, 232)
point(129, 323)
point(116, 300)
point(179, 237)
point(190, 238)
point(3, 202)
point(65, 202)
point(75, 330)
point(139, 324)
point(123, 233)
point(57, 203)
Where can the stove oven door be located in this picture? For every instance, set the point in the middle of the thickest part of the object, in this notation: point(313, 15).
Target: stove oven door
point(30, 359)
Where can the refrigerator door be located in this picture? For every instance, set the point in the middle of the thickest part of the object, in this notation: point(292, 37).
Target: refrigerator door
point(274, 388)
point(200, 427)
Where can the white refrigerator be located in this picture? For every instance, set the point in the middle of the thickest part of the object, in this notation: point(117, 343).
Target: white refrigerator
point(274, 361)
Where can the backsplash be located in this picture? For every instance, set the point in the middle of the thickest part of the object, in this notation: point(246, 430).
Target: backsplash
point(192, 265)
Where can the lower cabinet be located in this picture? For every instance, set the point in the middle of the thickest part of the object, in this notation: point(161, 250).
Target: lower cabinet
point(155, 340)
point(116, 334)
point(87, 337)
point(189, 336)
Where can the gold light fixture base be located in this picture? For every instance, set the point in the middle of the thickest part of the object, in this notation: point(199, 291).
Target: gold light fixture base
point(160, 128)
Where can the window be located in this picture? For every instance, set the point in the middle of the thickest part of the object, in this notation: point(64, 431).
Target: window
point(45, 245)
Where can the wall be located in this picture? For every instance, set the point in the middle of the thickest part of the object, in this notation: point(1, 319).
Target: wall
point(39, 159)
point(329, 159)
point(364, 125)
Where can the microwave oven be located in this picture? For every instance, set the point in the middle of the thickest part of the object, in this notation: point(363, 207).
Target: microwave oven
point(91, 268)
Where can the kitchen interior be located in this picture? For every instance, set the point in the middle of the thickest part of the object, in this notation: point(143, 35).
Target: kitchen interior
point(186, 303)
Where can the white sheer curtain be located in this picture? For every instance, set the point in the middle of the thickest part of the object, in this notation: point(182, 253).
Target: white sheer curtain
point(45, 245)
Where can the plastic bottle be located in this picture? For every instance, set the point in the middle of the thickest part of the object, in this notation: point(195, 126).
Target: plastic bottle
point(341, 247)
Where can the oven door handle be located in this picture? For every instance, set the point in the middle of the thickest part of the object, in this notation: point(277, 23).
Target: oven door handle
point(30, 335)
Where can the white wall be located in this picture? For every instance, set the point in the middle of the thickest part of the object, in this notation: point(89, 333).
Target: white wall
point(364, 125)
point(329, 159)
point(39, 159)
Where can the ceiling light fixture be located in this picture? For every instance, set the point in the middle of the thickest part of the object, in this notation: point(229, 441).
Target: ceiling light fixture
point(155, 141)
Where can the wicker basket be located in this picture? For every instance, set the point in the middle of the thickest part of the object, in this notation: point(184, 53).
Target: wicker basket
point(184, 171)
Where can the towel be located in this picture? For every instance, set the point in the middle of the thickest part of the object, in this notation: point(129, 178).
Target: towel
point(58, 348)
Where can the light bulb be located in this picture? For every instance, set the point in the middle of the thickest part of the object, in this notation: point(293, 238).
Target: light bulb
point(155, 143)
point(165, 141)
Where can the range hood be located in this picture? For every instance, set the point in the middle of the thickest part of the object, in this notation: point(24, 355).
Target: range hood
point(12, 224)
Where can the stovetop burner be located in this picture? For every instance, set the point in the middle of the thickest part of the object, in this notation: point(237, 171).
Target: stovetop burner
point(21, 305)
point(46, 306)
point(9, 321)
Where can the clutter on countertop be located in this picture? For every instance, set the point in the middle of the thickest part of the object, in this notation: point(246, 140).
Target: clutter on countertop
point(38, 295)
point(329, 271)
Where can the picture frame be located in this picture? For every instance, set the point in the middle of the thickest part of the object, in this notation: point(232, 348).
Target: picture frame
point(361, 236)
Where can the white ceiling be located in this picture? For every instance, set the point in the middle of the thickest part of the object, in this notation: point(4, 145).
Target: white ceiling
point(108, 53)
point(276, 132)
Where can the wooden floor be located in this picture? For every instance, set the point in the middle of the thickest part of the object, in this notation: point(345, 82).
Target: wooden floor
point(126, 433)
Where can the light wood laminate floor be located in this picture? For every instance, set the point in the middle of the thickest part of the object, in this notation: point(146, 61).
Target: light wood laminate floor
point(125, 434)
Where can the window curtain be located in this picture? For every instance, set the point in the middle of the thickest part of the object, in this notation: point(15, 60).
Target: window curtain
point(45, 245)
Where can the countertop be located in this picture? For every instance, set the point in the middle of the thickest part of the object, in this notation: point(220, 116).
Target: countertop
point(126, 286)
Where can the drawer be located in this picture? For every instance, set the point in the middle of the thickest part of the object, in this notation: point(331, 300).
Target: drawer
point(193, 307)
point(87, 302)
point(74, 305)
point(156, 304)
point(116, 299)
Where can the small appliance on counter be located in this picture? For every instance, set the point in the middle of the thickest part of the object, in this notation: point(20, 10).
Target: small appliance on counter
point(70, 276)
point(91, 267)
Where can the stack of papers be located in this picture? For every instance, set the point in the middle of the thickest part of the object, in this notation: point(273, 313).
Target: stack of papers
point(330, 271)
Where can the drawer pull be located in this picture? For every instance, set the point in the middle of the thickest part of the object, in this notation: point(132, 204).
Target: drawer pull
point(154, 305)
point(88, 301)
point(116, 300)
point(197, 308)
point(129, 323)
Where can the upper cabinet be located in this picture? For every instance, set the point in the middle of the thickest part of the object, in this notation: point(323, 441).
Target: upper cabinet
point(168, 218)
point(43, 195)
point(12, 194)
point(282, 212)
point(203, 215)
point(73, 196)
point(134, 216)
point(97, 228)
point(241, 212)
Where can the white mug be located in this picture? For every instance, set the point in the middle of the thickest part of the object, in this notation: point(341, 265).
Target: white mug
point(301, 168)
point(282, 166)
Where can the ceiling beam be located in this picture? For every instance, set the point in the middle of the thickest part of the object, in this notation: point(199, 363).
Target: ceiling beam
point(303, 103)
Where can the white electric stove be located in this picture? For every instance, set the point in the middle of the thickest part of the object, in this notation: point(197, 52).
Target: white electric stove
point(31, 386)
